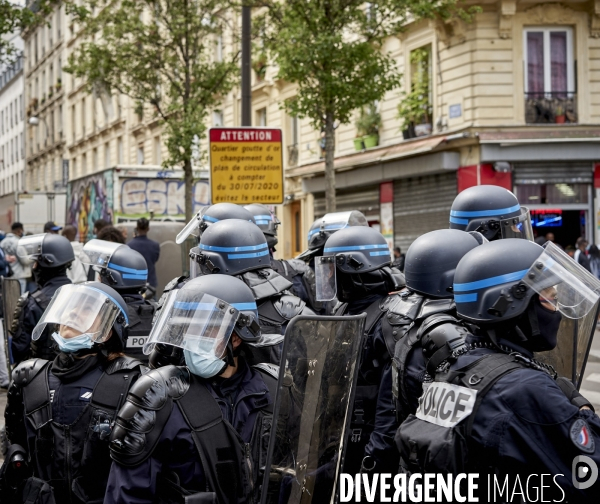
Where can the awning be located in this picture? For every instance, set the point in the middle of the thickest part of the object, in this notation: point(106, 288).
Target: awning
point(371, 156)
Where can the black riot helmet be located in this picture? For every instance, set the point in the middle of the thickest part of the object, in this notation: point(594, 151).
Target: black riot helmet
point(231, 247)
point(48, 250)
point(266, 221)
point(355, 263)
point(121, 267)
point(432, 258)
point(324, 227)
point(493, 211)
point(211, 214)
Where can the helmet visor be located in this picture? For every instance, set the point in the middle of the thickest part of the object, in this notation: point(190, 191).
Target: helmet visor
point(562, 283)
point(192, 227)
point(325, 283)
point(83, 309)
point(332, 222)
point(518, 227)
point(29, 247)
point(98, 252)
point(194, 321)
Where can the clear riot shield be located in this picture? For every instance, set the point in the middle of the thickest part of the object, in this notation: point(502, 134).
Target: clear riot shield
point(311, 414)
point(11, 293)
point(574, 341)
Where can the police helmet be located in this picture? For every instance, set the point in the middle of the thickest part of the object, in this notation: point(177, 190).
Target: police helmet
point(232, 247)
point(266, 221)
point(358, 250)
point(48, 250)
point(488, 284)
point(127, 270)
point(493, 211)
point(432, 258)
point(211, 214)
point(89, 307)
point(202, 315)
point(324, 227)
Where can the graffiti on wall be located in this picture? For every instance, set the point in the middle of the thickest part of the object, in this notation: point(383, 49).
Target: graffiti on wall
point(161, 196)
point(90, 199)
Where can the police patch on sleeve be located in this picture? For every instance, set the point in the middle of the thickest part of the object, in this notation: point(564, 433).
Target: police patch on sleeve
point(581, 436)
point(445, 404)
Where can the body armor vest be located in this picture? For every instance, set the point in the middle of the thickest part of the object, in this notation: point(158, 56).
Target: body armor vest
point(74, 459)
point(140, 316)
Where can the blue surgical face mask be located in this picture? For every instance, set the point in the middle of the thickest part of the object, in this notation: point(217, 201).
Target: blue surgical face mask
point(70, 345)
point(204, 365)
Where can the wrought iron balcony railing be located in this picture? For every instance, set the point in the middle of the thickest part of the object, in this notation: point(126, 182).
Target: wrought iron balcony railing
point(551, 108)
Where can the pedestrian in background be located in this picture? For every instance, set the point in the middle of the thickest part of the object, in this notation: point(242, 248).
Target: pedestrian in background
point(150, 249)
point(594, 260)
point(111, 234)
point(580, 253)
point(399, 259)
point(21, 267)
point(51, 227)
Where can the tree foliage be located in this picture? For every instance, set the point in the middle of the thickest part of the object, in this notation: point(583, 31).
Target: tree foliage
point(333, 51)
point(161, 53)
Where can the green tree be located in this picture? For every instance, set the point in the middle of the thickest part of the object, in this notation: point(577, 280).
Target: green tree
point(161, 53)
point(13, 19)
point(332, 51)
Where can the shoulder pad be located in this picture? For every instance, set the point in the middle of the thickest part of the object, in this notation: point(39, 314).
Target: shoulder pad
point(270, 369)
point(433, 306)
point(265, 282)
point(28, 370)
point(152, 389)
point(173, 283)
point(288, 306)
point(123, 363)
point(402, 308)
point(432, 321)
point(300, 266)
point(142, 418)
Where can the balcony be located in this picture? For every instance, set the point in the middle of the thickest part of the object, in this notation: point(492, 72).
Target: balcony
point(551, 108)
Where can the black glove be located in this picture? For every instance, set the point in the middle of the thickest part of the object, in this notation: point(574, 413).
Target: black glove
point(164, 355)
point(572, 393)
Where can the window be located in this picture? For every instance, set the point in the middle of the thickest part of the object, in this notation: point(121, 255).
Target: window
point(84, 164)
point(219, 48)
point(417, 117)
point(73, 122)
point(58, 23)
point(95, 159)
point(2, 119)
point(75, 167)
point(140, 154)
point(11, 114)
point(16, 112)
point(106, 155)
point(549, 76)
point(157, 151)
point(549, 61)
point(120, 151)
point(261, 117)
point(22, 146)
point(21, 106)
point(217, 118)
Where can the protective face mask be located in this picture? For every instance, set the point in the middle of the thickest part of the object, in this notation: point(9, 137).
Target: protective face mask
point(548, 322)
point(70, 345)
point(204, 365)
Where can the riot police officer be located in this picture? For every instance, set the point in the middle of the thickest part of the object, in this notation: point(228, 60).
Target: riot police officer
point(126, 271)
point(517, 416)
point(320, 230)
point(491, 210)
point(204, 424)
point(51, 255)
point(61, 412)
point(237, 247)
point(292, 269)
point(356, 268)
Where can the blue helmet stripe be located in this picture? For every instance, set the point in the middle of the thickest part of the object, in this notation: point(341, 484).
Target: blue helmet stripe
point(123, 269)
point(248, 248)
point(355, 247)
point(455, 220)
point(465, 298)
point(330, 227)
point(209, 218)
point(263, 217)
point(490, 282)
point(244, 306)
point(189, 305)
point(382, 253)
point(484, 213)
point(262, 222)
point(129, 276)
point(248, 256)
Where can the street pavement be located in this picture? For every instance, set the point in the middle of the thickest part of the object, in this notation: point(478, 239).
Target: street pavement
point(590, 387)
